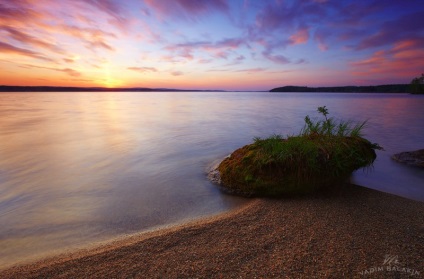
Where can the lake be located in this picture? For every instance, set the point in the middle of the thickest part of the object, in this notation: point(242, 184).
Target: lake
point(77, 168)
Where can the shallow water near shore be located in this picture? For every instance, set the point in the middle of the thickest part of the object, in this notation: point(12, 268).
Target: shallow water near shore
point(76, 168)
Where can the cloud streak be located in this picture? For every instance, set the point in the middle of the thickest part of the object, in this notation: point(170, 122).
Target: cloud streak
point(68, 71)
point(28, 39)
point(185, 9)
point(8, 48)
point(143, 69)
point(221, 49)
point(385, 63)
point(394, 31)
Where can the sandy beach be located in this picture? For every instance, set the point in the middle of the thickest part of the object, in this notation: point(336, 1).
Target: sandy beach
point(355, 233)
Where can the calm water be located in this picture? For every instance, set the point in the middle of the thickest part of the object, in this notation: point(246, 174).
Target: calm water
point(82, 167)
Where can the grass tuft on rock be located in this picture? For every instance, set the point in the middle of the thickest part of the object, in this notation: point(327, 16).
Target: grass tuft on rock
point(322, 156)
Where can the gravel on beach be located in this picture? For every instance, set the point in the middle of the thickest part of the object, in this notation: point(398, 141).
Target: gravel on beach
point(355, 233)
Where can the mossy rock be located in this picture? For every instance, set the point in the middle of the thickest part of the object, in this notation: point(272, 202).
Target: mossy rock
point(294, 166)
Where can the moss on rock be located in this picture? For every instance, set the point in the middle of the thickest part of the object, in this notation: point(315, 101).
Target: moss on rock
point(324, 155)
point(293, 166)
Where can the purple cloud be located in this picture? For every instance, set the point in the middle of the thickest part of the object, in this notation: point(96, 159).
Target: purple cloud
point(221, 49)
point(288, 16)
point(8, 48)
point(395, 30)
point(28, 39)
point(240, 58)
point(251, 70)
point(230, 43)
point(279, 59)
point(205, 61)
point(282, 24)
point(237, 61)
point(301, 61)
point(187, 9)
point(16, 11)
point(111, 8)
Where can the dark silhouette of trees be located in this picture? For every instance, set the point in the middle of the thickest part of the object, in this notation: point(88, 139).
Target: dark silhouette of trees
point(388, 88)
point(417, 85)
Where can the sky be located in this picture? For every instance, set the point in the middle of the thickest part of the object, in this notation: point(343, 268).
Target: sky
point(210, 44)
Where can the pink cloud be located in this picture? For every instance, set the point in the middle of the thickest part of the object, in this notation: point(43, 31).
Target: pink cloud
point(92, 38)
point(403, 60)
point(85, 32)
point(300, 37)
point(221, 54)
point(40, 17)
point(320, 37)
point(100, 44)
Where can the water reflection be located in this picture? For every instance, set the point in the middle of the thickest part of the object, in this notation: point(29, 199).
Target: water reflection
point(82, 167)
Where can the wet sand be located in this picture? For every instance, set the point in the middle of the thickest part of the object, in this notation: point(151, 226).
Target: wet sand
point(343, 235)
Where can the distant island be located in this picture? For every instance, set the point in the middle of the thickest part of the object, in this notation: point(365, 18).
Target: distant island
point(388, 88)
point(9, 88)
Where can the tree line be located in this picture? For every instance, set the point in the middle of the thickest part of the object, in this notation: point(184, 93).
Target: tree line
point(417, 85)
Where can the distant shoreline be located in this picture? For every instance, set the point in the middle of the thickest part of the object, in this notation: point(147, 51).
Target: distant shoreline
point(10, 88)
point(387, 88)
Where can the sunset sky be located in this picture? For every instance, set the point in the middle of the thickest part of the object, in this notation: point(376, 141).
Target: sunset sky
point(210, 44)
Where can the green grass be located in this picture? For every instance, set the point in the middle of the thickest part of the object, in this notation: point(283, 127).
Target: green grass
point(331, 127)
point(322, 155)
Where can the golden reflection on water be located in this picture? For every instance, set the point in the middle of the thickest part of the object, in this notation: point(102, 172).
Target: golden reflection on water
point(78, 168)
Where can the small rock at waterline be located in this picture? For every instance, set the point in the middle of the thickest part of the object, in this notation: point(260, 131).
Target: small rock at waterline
point(412, 158)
